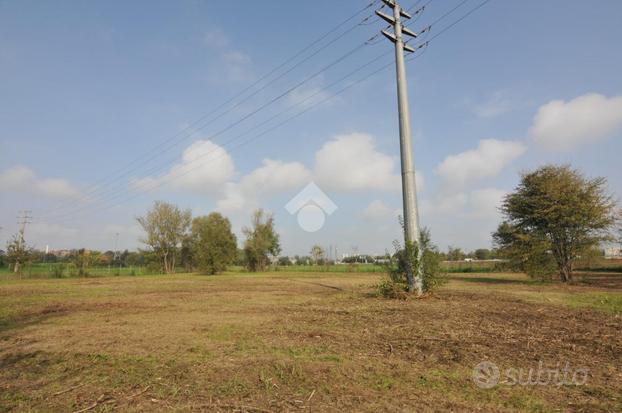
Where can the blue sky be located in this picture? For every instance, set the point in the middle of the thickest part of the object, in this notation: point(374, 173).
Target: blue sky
point(88, 87)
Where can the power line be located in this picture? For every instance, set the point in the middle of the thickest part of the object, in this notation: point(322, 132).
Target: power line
point(190, 130)
point(420, 46)
point(473, 10)
point(169, 179)
point(426, 30)
point(253, 137)
point(24, 218)
point(259, 109)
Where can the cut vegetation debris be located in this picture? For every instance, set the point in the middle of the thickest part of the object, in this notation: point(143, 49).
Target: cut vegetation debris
point(277, 342)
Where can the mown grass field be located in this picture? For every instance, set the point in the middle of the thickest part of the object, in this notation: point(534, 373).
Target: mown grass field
point(317, 342)
point(47, 270)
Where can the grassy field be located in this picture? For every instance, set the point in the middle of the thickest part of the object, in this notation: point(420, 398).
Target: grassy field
point(43, 270)
point(317, 342)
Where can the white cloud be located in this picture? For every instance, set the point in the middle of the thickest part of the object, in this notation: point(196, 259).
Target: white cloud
point(585, 119)
point(271, 177)
point(275, 176)
point(351, 163)
point(485, 203)
point(477, 204)
point(465, 219)
point(205, 167)
point(234, 200)
point(379, 210)
point(452, 203)
point(23, 179)
point(216, 38)
point(487, 160)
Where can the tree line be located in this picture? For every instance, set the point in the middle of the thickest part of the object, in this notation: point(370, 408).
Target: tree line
point(207, 243)
point(555, 217)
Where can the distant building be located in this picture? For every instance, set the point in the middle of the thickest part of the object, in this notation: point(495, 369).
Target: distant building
point(60, 253)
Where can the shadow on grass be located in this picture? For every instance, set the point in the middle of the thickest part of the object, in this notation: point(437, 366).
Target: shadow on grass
point(32, 318)
point(495, 280)
point(11, 360)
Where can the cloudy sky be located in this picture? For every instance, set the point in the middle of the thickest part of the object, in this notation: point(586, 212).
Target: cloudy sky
point(108, 106)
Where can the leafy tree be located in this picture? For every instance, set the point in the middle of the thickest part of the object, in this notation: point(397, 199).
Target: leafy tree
point(555, 215)
point(240, 258)
point(262, 241)
point(304, 260)
point(136, 258)
point(284, 261)
point(406, 260)
point(317, 252)
point(124, 257)
point(186, 253)
point(84, 259)
point(455, 254)
point(528, 253)
point(482, 254)
point(166, 226)
point(214, 246)
point(18, 253)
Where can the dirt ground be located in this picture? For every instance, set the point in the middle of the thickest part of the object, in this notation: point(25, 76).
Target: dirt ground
point(308, 342)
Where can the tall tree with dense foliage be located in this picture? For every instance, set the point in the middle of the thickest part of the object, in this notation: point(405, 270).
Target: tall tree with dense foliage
point(554, 215)
point(482, 254)
point(262, 241)
point(214, 245)
point(166, 226)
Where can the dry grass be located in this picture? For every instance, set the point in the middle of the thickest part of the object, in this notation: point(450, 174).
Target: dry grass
point(300, 342)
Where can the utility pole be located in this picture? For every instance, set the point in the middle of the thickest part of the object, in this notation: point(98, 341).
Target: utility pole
point(24, 218)
point(409, 189)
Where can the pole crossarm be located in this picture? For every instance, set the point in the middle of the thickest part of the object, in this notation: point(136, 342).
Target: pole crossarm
point(393, 5)
point(395, 22)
